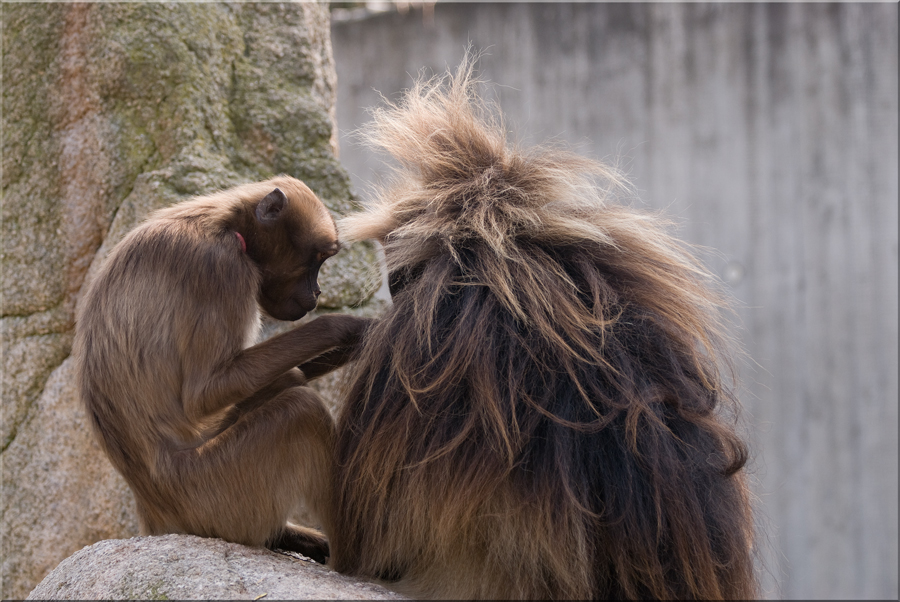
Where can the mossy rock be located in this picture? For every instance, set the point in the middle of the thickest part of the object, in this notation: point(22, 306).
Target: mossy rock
point(112, 110)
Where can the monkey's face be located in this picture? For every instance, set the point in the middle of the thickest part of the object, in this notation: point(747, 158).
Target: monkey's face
point(291, 296)
point(292, 238)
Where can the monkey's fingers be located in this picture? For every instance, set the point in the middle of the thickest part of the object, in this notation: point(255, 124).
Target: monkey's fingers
point(327, 362)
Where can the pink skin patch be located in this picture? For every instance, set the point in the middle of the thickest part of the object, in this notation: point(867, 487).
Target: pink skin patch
point(242, 241)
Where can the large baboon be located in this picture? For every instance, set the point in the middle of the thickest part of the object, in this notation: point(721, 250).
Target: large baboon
point(543, 412)
point(216, 437)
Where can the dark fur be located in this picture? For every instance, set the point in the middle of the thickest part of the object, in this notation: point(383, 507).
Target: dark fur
point(216, 438)
point(541, 413)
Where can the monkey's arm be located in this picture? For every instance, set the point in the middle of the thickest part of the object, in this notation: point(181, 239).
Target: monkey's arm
point(256, 367)
point(291, 378)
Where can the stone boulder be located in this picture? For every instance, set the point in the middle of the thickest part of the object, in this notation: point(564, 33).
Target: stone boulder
point(109, 111)
point(186, 567)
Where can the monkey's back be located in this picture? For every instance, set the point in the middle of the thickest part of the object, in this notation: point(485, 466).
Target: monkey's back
point(165, 289)
point(527, 471)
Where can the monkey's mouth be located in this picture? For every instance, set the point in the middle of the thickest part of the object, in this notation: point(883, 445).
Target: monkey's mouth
point(296, 308)
point(290, 309)
point(307, 303)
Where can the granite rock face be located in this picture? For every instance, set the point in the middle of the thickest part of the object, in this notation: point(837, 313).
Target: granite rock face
point(185, 567)
point(112, 110)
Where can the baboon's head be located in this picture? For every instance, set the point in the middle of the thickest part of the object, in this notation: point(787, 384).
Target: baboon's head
point(289, 234)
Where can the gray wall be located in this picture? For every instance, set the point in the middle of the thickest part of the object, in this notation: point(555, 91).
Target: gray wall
point(771, 133)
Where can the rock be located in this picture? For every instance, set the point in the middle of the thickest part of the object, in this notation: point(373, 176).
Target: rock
point(186, 567)
point(104, 122)
point(59, 490)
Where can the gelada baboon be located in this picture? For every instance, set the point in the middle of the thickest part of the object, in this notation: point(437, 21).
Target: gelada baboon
point(216, 437)
point(540, 412)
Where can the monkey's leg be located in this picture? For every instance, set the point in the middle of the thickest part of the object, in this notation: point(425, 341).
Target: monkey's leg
point(243, 484)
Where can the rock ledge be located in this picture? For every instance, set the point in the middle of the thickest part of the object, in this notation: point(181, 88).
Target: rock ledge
point(183, 567)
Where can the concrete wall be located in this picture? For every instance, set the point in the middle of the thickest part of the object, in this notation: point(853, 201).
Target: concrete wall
point(770, 131)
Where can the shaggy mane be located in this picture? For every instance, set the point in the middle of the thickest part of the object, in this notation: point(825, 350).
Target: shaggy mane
point(550, 354)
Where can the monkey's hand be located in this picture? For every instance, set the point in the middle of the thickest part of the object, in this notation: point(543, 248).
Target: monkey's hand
point(328, 361)
point(353, 331)
point(349, 330)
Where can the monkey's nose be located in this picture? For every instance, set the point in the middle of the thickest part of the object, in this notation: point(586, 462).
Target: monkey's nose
point(317, 292)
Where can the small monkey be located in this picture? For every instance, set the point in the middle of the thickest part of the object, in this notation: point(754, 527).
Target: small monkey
point(216, 437)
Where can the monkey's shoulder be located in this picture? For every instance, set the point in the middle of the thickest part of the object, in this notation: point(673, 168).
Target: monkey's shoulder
point(163, 267)
point(180, 247)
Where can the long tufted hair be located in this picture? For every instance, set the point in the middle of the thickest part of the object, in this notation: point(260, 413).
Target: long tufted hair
point(545, 411)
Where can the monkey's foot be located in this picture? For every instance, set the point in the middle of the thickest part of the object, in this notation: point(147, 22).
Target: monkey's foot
point(303, 540)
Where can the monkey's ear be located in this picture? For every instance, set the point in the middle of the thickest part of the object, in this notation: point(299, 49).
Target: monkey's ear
point(270, 206)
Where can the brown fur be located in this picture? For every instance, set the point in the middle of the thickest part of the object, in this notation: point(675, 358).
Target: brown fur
point(542, 412)
point(216, 438)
